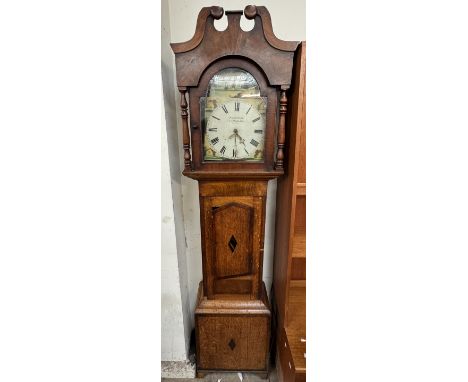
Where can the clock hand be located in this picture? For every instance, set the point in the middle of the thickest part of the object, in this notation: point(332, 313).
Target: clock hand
point(242, 140)
point(234, 150)
point(238, 136)
point(245, 147)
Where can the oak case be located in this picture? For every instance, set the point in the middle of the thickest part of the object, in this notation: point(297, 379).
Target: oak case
point(233, 316)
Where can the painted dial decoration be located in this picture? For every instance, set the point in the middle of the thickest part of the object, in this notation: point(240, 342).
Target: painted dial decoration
point(233, 118)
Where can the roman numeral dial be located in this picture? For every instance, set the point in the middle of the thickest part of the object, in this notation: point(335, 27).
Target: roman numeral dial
point(234, 129)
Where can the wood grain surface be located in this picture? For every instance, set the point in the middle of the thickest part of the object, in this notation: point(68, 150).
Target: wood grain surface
point(232, 334)
point(259, 45)
point(290, 241)
point(233, 229)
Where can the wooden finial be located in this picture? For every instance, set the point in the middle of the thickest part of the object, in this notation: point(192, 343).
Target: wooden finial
point(216, 12)
point(250, 11)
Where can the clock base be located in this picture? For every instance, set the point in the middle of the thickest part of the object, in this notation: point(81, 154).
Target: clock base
point(233, 334)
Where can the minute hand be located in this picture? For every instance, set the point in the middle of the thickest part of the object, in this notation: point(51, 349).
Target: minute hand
point(240, 138)
point(243, 142)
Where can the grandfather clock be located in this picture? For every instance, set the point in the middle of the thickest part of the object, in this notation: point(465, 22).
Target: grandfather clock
point(233, 129)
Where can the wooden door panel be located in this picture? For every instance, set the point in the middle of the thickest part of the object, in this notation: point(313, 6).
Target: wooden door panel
point(232, 239)
point(233, 342)
point(232, 224)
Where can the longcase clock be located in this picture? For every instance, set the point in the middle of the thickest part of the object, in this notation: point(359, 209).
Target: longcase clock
point(233, 129)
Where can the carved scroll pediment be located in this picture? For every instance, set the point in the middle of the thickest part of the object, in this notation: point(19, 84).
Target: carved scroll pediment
point(260, 45)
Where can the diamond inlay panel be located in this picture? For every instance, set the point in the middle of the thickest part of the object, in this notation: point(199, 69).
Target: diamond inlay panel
point(232, 239)
point(232, 243)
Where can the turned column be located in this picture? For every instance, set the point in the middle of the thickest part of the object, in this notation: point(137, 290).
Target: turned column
point(185, 129)
point(281, 129)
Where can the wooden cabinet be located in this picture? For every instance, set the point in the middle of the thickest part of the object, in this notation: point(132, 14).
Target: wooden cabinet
point(226, 339)
point(233, 333)
point(291, 367)
point(289, 287)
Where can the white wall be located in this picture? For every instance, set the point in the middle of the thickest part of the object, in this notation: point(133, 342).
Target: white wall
point(288, 19)
point(173, 341)
point(175, 284)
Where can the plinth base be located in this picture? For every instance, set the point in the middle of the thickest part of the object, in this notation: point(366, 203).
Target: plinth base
point(232, 334)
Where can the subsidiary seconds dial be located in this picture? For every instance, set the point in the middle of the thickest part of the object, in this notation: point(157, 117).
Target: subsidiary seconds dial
point(235, 131)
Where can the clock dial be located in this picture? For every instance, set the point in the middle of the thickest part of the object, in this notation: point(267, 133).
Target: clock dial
point(233, 118)
point(235, 130)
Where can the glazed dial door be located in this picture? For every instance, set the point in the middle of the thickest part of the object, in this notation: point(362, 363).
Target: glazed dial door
point(234, 118)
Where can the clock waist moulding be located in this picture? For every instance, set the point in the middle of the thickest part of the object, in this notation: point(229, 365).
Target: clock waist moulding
point(233, 131)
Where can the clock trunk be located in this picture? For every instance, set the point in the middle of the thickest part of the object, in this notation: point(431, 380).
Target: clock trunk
point(232, 216)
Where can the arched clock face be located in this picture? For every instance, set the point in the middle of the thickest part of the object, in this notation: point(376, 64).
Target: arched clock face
point(233, 117)
point(235, 130)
